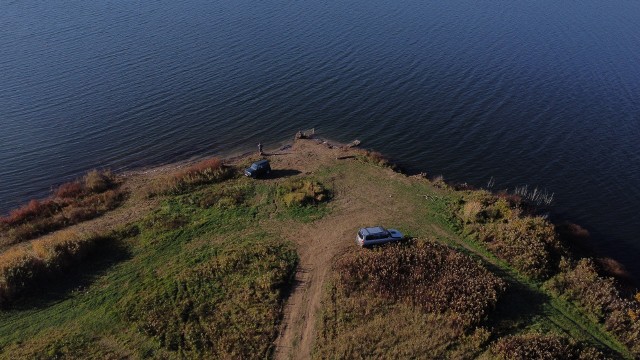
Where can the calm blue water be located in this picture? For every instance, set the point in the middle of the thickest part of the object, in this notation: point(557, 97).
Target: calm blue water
point(545, 93)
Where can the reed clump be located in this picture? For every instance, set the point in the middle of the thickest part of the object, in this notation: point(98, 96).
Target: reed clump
point(204, 172)
point(23, 267)
point(70, 204)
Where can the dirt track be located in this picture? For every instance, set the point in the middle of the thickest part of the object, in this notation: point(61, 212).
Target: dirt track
point(319, 244)
point(355, 204)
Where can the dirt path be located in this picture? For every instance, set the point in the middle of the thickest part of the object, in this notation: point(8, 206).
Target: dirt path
point(321, 243)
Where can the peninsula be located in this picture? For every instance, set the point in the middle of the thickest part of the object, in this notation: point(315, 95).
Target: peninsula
point(196, 260)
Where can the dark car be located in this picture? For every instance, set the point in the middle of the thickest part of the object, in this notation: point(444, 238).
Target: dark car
point(258, 168)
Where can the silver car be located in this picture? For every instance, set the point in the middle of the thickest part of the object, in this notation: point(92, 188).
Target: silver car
point(377, 235)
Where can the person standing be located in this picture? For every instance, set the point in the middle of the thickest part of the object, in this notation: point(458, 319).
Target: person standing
point(260, 149)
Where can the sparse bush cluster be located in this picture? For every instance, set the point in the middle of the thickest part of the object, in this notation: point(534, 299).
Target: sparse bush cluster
point(70, 204)
point(543, 347)
point(527, 242)
point(204, 172)
point(426, 274)
point(581, 283)
point(226, 306)
point(375, 158)
point(302, 192)
point(22, 267)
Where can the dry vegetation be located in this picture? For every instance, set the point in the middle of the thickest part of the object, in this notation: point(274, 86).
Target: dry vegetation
point(70, 204)
point(543, 347)
point(374, 157)
point(541, 250)
point(581, 283)
point(23, 267)
point(504, 225)
point(204, 172)
point(442, 294)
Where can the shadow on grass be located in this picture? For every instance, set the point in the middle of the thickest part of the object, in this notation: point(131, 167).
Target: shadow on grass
point(282, 173)
point(515, 309)
point(77, 278)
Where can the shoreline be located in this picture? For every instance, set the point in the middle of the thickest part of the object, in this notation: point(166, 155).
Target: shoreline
point(200, 214)
point(591, 246)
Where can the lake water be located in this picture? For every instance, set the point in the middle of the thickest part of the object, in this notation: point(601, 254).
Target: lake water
point(544, 93)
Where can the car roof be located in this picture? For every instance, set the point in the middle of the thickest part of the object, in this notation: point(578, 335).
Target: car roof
point(373, 230)
point(261, 162)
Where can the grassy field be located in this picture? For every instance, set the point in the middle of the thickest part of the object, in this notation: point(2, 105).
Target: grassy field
point(197, 276)
point(228, 267)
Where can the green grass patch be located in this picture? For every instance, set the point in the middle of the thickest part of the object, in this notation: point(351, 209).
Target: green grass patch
point(200, 279)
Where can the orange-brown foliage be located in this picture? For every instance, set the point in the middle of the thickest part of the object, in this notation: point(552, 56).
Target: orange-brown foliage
point(72, 189)
point(544, 347)
point(32, 210)
point(71, 203)
point(426, 274)
point(204, 172)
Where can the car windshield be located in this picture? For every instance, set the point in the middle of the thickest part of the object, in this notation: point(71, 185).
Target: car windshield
point(254, 166)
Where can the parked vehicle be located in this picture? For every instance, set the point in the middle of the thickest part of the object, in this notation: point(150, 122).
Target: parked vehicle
point(258, 169)
point(377, 235)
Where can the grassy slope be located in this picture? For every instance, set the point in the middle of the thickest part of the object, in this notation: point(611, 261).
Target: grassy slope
point(107, 309)
point(524, 307)
point(187, 265)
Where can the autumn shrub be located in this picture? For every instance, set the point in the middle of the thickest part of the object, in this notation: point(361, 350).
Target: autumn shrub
point(406, 301)
point(66, 214)
point(70, 204)
point(68, 190)
point(204, 172)
point(24, 266)
point(529, 243)
point(375, 158)
point(425, 274)
point(98, 181)
point(542, 347)
point(18, 268)
point(32, 210)
point(581, 283)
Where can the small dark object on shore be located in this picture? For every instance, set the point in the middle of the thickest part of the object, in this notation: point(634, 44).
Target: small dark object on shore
point(258, 169)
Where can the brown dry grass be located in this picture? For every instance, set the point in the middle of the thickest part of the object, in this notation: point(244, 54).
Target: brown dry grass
point(70, 204)
point(581, 283)
point(22, 267)
point(543, 347)
point(405, 301)
point(204, 172)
